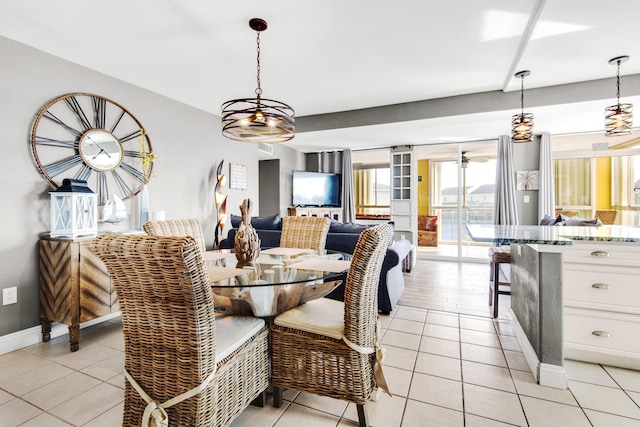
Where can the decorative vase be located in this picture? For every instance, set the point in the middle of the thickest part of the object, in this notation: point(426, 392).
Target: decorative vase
point(247, 242)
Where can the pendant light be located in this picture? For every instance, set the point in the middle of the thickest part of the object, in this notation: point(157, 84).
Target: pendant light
point(258, 119)
point(618, 118)
point(522, 124)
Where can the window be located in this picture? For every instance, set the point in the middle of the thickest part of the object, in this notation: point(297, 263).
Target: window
point(372, 191)
point(573, 184)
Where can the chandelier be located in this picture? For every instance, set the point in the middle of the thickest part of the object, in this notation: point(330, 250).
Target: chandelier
point(522, 124)
point(258, 119)
point(618, 118)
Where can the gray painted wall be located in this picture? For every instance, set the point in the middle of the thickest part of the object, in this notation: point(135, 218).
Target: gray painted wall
point(526, 157)
point(187, 143)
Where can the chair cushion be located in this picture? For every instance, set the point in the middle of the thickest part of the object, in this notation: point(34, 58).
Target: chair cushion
point(233, 331)
point(322, 316)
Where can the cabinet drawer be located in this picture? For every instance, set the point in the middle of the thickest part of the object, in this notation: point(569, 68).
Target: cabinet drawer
point(606, 331)
point(603, 253)
point(598, 288)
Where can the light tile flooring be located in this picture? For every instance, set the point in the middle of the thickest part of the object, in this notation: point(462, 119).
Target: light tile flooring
point(445, 368)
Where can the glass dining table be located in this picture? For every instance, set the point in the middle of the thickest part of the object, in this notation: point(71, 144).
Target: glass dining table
point(278, 280)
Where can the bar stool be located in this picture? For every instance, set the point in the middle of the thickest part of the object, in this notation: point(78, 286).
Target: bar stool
point(498, 255)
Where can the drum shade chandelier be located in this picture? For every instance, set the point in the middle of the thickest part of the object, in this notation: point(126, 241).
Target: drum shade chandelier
point(618, 118)
point(258, 120)
point(522, 124)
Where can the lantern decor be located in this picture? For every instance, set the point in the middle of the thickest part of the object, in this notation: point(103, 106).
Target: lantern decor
point(74, 210)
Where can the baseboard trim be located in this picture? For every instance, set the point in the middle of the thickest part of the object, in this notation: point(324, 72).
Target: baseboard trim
point(545, 374)
point(26, 337)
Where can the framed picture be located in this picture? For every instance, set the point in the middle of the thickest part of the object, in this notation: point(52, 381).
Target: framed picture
point(527, 180)
point(237, 176)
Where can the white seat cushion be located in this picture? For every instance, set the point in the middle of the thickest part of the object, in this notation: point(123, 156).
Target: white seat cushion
point(322, 316)
point(233, 331)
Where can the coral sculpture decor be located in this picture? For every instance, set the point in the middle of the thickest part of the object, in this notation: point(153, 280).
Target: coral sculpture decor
point(247, 242)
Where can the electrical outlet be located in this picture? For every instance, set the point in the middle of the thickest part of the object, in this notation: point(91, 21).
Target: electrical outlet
point(9, 296)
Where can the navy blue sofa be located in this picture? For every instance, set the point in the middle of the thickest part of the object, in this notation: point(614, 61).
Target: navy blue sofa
point(342, 237)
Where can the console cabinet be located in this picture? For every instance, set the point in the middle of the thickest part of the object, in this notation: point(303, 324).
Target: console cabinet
point(601, 304)
point(333, 213)
point(74, 286)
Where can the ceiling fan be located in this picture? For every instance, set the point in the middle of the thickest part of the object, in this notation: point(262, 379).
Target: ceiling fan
point(466, 159)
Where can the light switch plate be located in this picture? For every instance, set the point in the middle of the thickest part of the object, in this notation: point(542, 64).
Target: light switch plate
point(9, 296)
point(526, 198)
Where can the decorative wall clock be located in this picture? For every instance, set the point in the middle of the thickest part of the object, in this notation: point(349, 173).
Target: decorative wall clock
point(92, 138)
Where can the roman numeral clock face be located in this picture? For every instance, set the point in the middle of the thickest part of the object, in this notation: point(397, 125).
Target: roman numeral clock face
point(92, 138)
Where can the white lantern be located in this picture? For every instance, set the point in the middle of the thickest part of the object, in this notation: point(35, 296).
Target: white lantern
point(74, 210)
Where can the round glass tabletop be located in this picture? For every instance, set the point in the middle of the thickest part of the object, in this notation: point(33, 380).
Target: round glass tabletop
point(280, 279)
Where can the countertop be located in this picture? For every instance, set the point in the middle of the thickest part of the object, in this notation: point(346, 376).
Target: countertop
point(552, 235)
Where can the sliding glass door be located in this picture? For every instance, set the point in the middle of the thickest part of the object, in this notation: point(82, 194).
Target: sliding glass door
point(459, 190)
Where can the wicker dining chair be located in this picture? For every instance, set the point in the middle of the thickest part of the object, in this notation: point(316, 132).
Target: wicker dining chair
point(177, 227)
point(180, 227)
point(331, 348)
point(607, 216)
point(305, 232)
point(174, 342)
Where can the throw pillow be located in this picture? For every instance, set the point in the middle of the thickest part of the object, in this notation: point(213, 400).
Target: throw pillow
point(349, 227)
point(548, 220)
point(259, 222)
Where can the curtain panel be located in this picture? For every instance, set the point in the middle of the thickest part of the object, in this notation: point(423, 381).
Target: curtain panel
point(505, 210)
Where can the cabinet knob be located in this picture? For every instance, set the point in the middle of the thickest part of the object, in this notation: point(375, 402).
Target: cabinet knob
point(602, 286)
point(600, 253)
point(603, 334)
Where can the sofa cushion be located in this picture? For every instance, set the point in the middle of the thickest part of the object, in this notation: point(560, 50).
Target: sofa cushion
point(577, 221)
point(259, 222)
point(548, 220)
point(341, 227)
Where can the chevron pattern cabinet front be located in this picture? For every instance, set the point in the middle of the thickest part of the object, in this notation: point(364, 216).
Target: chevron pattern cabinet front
point(74, 286)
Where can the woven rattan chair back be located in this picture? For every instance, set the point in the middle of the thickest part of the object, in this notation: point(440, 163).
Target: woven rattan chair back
point(305, 232)
point(607, 216)
point(177, 227)
point(170, 331)
point(361, 287)
point(568, 214)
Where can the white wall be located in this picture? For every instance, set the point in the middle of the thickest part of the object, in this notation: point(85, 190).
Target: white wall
point(187, 143)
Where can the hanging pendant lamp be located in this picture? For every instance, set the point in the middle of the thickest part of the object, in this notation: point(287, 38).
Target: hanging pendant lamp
point(618, 118)
point(258, 119)
point(522, 124)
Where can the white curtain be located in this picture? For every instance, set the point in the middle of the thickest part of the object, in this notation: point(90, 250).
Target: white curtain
point(340, 162)
point(348, 196)
point(505, 211)
point(546, 193)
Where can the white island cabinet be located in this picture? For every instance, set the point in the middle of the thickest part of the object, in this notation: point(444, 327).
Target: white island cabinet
point(601, 281)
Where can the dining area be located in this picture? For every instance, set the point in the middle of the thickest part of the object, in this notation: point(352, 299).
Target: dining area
point(207, 334)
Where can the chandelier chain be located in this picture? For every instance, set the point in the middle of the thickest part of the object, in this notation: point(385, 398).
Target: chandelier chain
point(522, 94)
point(258, 89)
point(618, 82)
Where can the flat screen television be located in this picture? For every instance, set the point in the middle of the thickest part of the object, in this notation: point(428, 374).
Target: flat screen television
point(316, 189)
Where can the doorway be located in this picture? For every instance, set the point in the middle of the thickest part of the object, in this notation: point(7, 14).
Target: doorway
point(456, 187)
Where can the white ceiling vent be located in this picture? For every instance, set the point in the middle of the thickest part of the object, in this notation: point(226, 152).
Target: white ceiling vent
point(265, 148)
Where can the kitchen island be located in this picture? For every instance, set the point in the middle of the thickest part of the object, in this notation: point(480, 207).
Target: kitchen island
point(560, 311)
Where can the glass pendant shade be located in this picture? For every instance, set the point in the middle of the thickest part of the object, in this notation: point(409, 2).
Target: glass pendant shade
point(258, 120)
point(618, 118)
point(522, 124)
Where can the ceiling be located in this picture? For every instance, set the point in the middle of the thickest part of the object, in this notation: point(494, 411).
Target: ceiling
point(331, 56)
